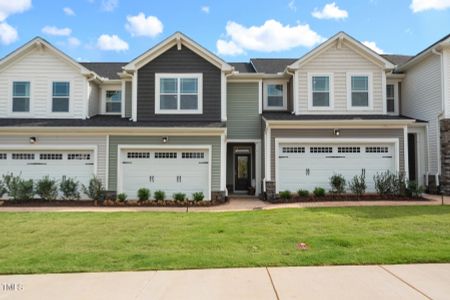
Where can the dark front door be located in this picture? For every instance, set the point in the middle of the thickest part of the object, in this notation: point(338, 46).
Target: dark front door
point(242, 172)
point(412, 156)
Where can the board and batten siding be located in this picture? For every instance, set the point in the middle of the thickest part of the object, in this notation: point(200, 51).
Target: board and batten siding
point(422, 99)
point(243, 118)
point(213, 141)
point(179, 61)
point(363, 134)
point(127, 98)
point(63, 140)
point(41, 68)
point(339, 62)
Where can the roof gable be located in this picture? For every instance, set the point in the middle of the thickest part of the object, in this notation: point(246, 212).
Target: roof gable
point(337, 40)
point(177, 39)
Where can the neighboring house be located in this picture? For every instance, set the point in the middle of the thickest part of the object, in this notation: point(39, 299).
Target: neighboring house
point(180, 119)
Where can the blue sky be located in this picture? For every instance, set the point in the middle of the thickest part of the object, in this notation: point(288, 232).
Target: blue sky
point(119, 30)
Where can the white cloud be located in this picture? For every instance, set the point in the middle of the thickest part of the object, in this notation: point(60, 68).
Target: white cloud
point(73, 41)
point(111, 43)
point(8, 34)
point(9, 7)
point(330, 11)
point(423, 5)
point(205, 9)
point(140, 25)
point(53, 30)
point(228, 48)
point(270, 37)
point(68, 11)
point(373, 46)
point(292, 5)
point(109, 5)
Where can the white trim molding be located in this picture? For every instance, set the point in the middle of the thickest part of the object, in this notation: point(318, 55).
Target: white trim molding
point(223, 96)
point(330, 76)
point(134, 90)
point(369, 76)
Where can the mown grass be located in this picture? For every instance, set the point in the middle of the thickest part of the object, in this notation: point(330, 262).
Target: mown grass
point(78, 242)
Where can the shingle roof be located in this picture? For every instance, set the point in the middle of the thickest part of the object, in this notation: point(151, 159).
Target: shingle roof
point(287, 116)
point(243, 67)
point(397, 59)
point(271, 65)
point(105, 69)
point(105, 121)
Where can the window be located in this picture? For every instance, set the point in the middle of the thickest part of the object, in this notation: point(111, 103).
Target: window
point(78, 156)
point(321, 150)
point(390, 98)
point(359, 91)
point(349, 149)
point(113, 101)
point(61, 94)
point(179, 93)
point(21, 96)
point(23, 156)
point(165, 155)
point(321, 91)
point(377, 149)
point(138, 155)
point(275, 96)
point(293, 149)
point(192, 155)
point(50, 156)
point(2, 155)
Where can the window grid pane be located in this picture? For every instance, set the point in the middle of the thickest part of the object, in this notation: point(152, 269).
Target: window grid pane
point(61, 89)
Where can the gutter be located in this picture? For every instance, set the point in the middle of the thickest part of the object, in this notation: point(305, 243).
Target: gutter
point(328, 123)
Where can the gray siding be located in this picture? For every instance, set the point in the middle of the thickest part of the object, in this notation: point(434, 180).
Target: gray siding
point(243, 119)
point(328, 133)
point(65, 139)
point(128, 97)
point(179, 61)
point(214, 141)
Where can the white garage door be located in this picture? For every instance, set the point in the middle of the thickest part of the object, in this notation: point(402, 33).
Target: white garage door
point(306, 166)
point(55, 164)
point(169, 170)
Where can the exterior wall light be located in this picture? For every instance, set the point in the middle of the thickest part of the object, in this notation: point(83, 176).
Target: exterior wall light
point(165, 139)
point(33, 140)
point(337, 132)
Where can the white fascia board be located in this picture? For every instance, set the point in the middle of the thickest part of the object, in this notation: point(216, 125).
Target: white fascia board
point(134, 131)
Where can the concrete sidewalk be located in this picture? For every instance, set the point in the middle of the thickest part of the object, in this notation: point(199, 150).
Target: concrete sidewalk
point(424, 281)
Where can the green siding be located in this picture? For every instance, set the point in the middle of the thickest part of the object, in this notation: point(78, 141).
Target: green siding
point(243, 119)
point(214, 141)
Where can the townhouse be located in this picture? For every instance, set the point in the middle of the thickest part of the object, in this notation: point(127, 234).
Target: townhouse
point(180, 119)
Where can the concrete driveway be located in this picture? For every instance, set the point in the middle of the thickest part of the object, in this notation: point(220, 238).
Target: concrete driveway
point(424, 281)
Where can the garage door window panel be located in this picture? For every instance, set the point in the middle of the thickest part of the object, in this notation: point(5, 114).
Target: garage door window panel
point(23, 156)
point(50, 156)
point(78, 156)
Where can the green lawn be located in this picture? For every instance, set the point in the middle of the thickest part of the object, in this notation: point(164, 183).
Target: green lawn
point(73, 242)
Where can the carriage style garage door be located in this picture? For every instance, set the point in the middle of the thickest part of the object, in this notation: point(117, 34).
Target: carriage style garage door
point(77, 164)
point(306, 166)
point(170, 170)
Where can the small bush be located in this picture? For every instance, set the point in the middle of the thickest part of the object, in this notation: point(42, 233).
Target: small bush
point(199, 196)
point(319, 192)
point(285, 195)
point(69, 188)
point(143, 194)
point(18, 188)
point(414, 190)
point(95, 189)
point(337, 183)
point(303, 193)
point(47, 189)
point(122, 197)
point(358, 185)
point(160, 195)
point(179, 197)
point(383, 183)
point(2, 188)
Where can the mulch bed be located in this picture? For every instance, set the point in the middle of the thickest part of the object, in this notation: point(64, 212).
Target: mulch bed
point(346, 197)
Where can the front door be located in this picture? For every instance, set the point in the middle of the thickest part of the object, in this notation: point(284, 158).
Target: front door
point(242, 172)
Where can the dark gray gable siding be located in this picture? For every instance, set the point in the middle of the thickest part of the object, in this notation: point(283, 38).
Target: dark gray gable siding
point(179, 61)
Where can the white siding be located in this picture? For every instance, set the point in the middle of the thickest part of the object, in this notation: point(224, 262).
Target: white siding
point(94, 96)
point(422, 99)
point(41, 68)
point(339, 62)
point(57, 140)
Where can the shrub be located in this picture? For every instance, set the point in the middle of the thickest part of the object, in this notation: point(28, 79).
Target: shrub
point(414, 190)
point(69, 187)
point(303, 193)
point(319, 192)
point(199, 196)
point(179, 197)
point(2, 188)
point(18, 188)
point(122, 197)
point(160, 195)
point(285, 195)
point(337, 183)
point(47, 189)
point(95, 189)
point(143, 194)
point(383, 183)
point(358, 185)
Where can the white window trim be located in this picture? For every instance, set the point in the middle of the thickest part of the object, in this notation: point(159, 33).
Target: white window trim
point(310, 92)
point(11, 95)
point(198, 76)
point(396, 97)
point(103, 90)
point(50, 104)
point(266, 94)
point(349, 90)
